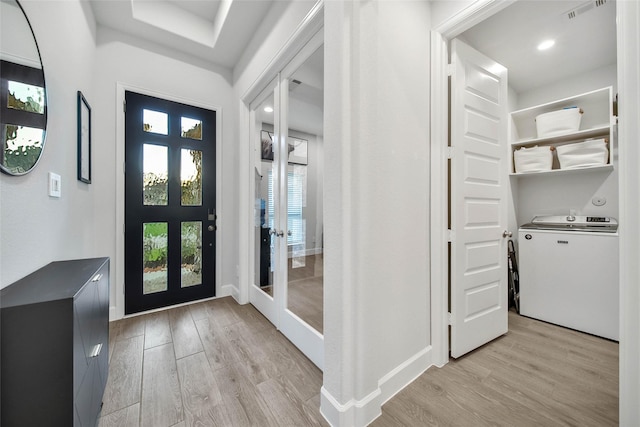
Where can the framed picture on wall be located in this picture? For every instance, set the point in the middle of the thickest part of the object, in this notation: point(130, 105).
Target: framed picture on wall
point(297, 150)
point(267, 145)
point(84, 139)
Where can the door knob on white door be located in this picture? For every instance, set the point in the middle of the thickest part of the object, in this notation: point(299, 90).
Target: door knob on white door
point(506, 234)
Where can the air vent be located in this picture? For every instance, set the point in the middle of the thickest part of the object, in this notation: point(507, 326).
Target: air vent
point(294, 84)
point(575, 12)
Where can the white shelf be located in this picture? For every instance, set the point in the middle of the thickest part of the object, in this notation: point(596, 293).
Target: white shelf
point(597, 122)
point(557, 172)
point(598, 96)
point(571, 137)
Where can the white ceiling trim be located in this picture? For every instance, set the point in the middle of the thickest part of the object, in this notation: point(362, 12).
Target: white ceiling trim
point(168, 17)
point(221, 18)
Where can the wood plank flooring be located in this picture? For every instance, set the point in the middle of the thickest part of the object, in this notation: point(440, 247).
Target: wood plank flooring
point(538, 374)
point(217, 363)
point(214, 363)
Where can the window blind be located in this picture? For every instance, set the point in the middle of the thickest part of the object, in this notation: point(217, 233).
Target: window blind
point(295, 204)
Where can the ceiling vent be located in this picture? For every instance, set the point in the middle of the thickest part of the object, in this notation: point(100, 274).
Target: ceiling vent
point(577, 11)
point(294, 84)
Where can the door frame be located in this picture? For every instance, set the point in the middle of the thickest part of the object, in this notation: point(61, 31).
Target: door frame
point(310, 25)
point(275, 307)
point(117, 312)
point(628, 17)
point(442, 34)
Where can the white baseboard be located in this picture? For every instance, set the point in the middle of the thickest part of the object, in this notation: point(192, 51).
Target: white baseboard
point(229, 290)
point(362, 412)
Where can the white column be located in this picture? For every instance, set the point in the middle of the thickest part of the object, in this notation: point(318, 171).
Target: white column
point(628, 131)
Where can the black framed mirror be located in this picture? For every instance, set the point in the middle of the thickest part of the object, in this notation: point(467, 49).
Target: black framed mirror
point(23, 99)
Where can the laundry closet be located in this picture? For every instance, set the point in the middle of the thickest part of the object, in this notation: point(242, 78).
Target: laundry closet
point(565, 203)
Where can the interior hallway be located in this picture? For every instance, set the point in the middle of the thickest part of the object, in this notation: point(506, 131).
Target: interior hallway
point(217, 363)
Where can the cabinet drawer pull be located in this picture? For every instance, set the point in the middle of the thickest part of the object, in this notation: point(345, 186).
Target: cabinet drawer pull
point(95, 352)
point(97, 277)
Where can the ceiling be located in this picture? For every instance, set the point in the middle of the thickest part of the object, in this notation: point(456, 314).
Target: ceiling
point(216, 31)
point(583, 43)
point(220, 31)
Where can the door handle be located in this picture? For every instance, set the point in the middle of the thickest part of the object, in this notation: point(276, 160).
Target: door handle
point(506, 233)
point(273, 231)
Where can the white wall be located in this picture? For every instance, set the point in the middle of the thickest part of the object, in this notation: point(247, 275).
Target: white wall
point(443, 10)
point(287, 17)
point(36, 229)
point(119, 61)
point(585, 82)
point(377, 319)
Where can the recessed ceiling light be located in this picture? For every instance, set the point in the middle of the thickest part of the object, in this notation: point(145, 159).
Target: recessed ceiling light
point(546, 44)
point(268, 109)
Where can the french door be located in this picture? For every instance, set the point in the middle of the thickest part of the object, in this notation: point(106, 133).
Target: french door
point(286, 130)
point(170, 194)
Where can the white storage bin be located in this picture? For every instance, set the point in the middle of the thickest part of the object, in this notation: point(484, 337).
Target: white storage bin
point(582, 154)
point(534, 159)
point(558, 122)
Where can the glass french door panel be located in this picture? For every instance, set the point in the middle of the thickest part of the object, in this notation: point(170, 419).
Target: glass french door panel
point(155, 249)
point(264, 197)
point(191, 248)
point(305, 270)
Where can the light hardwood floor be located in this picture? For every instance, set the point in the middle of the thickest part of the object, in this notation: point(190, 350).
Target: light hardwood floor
point(214, 363)
point(220, 364)
point(537, 374)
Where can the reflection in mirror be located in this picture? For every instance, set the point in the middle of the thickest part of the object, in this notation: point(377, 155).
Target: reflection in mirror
point(265, 207)
point(305, 191)
point(22, 92)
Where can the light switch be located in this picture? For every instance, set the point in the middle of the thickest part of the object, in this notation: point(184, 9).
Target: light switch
point(55, 185)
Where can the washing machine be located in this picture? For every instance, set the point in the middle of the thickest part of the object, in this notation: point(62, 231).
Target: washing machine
point(569, 272)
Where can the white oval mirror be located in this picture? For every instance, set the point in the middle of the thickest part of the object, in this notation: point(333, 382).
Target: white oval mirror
point(23, 109)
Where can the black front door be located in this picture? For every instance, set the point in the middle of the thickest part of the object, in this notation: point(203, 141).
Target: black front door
point(170, 196)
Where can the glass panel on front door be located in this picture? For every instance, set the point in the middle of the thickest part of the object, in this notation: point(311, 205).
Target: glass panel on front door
point(170, 196)
point(154, 257)
point(191, 265)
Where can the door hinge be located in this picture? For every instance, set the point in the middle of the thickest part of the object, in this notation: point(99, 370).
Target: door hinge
point(450, 236)
point(450, 69)
point(450, 152)
point(124, 228)
point(449, 319)
point(124, 106)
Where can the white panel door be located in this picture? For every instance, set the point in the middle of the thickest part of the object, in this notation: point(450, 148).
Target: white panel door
point(478, 199)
